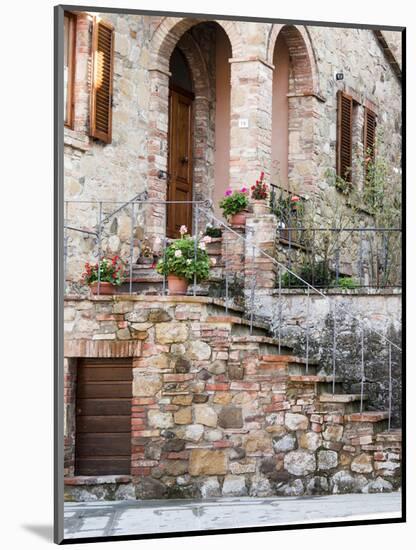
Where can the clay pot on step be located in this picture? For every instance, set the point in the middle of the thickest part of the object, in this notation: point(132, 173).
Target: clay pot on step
point(177, 286)
point(260, 207)
point(239, 218)
point(106, 289)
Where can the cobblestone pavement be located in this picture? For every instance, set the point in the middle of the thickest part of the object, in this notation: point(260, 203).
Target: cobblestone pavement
point(93, 519)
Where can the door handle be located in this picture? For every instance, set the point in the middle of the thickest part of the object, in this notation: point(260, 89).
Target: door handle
point(184, 160)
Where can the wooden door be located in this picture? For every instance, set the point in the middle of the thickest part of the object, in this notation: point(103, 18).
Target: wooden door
point(103, 417)
point(179, 161)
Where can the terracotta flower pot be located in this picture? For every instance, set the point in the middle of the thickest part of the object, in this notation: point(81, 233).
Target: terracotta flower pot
point(177, 285)
point(238, 219)
point(260, 207)
point(106, 288)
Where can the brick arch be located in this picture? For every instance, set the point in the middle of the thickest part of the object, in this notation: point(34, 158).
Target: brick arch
point(170, 30)
point(303, 99)
point(301, 52)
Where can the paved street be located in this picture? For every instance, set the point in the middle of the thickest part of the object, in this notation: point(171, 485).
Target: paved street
point(92, 519)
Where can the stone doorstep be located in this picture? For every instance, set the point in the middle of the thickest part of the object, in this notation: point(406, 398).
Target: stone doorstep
point(311, 378)
point(96, 480)
point(392, 436)
point(255, 339)
point(288, 359)
point(341, 397)
point(232, 319)
point(366, 416)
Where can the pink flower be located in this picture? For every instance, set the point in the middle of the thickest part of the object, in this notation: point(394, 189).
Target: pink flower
point(261, 176)
point(295, 198)
point(183, 230)
point(244, 189)
point(228, 192)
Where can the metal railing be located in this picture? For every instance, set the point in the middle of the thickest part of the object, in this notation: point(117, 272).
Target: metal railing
point(349, 257)
point(334, 307)
point(133, 212)
point(202, 214)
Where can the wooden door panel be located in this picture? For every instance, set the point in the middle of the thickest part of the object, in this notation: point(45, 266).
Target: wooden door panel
point(105, 389)
point(104, 374)
point(180, 165)
point(103, 424)
point(103, 407)
point(103, 444)
point(103, 417)
point(103, 466)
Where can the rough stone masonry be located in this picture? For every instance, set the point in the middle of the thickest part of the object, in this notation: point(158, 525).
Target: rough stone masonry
point(216, 411)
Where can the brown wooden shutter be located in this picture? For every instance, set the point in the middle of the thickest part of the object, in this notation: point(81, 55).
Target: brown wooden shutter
point(344, 136)
point(102, 80)
point(370, 122)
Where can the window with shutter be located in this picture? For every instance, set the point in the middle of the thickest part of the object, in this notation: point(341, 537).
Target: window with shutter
point(344, 136)
point(102, 81)
point(69, 67)
point(370, 122)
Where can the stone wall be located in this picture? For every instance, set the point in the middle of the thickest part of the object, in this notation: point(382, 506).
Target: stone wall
point(380, 314)
point(215, 410)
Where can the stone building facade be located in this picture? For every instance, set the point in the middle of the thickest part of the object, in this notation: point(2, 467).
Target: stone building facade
point(263, 98)
point(208, 403)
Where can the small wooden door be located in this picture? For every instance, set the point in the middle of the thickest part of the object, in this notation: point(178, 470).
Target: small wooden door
point(179, 161)
point(103, 417)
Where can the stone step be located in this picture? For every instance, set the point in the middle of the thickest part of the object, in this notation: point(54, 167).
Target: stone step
point(367, 416)
point(343, 403)
point(392, 436)
point(265, 344)
point(295, 365)
point(341, 397)
point(323, 383)
point(237, 321)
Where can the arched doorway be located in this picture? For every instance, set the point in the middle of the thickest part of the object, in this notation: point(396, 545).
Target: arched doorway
point(189, 120)
point(280, 113)
point(180, 145)
point(294, 109)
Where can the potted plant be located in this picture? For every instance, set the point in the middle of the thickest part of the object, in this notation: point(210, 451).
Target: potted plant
point(184, 260)
point(146, 254)
point(111, 272)
point(294, 203)
point(234, 206)
point(259, 194)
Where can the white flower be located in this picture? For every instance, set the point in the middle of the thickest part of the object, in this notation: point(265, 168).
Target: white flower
point(213, 261)
point(178, 253)
point(207, 239)
point(281, 225)
point(202, 245)
point(183, 230)
point(189, 261)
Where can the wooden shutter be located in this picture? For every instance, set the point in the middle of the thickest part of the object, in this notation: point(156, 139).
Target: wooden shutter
point(370, 122)
point(344, 136)
point(102, 80)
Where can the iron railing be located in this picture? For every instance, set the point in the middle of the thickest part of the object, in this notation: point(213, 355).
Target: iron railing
point(349, 257)
point(202, 214)
point(334, 307)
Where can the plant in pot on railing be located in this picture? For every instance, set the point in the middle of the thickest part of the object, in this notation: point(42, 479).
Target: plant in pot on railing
point(184, 262)
point(259, 194)
point(111, 272)
point(234, 206)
